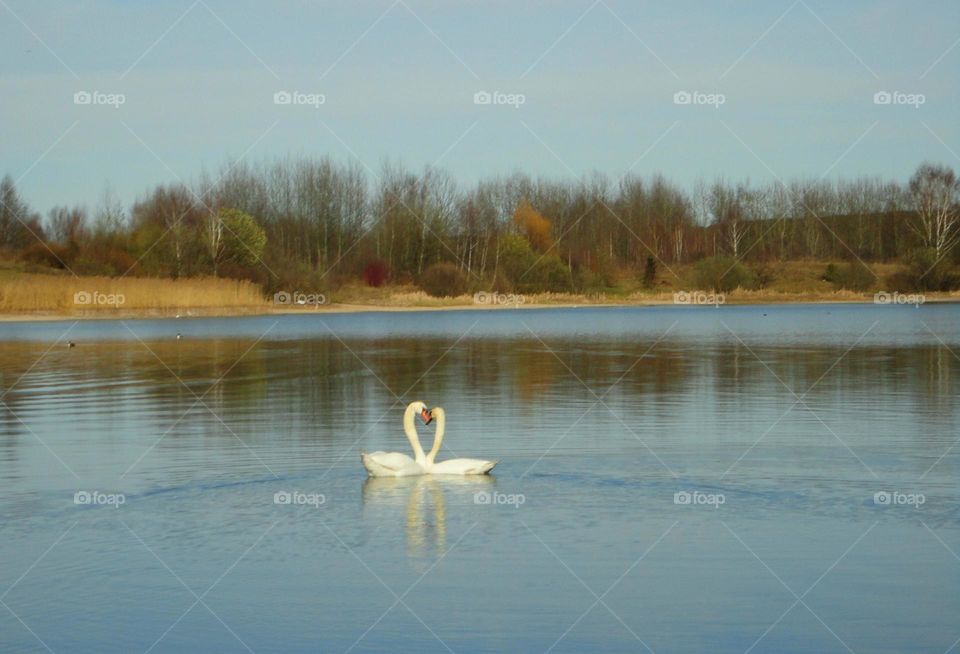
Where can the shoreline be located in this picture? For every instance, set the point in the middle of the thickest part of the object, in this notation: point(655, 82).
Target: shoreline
point(349, 308)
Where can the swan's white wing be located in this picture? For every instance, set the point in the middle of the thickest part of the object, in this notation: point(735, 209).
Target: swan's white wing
point(390, 464)
point(463, 467)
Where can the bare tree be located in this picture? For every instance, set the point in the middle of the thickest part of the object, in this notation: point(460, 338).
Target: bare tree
point(934, 189)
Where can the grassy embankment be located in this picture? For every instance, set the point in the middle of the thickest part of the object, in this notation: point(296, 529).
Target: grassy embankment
point(27, 294)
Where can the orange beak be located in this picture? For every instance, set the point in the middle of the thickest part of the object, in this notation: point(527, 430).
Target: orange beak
point(426, 417)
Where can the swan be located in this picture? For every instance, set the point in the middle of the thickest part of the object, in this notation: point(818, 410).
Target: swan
point(395, 464)
point(451, 466)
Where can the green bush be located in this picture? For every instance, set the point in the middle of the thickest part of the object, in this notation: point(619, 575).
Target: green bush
point(650, 273)
point(529, 272)
point(924, 271)
point(443, 280)
point(853, 276)
point(722, 274)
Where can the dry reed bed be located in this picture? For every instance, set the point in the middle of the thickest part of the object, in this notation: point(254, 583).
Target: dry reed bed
point(26, 292)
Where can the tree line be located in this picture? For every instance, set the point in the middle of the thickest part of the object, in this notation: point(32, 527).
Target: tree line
point(314, 222)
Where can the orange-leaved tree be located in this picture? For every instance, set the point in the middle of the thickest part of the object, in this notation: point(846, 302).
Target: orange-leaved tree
point(533, 226)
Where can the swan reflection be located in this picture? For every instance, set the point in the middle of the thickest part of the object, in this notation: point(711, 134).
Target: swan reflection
point(422, 502)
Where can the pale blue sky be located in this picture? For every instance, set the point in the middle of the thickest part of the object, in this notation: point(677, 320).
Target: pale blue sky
point(599, 80)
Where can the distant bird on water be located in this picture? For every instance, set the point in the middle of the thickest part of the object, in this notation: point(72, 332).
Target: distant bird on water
point(179, 336)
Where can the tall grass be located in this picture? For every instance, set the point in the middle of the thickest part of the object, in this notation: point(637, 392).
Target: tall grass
point(27, 292)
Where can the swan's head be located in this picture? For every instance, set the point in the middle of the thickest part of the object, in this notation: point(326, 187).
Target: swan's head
point(425, 415)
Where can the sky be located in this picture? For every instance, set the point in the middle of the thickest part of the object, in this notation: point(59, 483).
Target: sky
point(129, 94)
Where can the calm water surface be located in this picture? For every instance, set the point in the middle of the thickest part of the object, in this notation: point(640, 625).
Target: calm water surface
point(764, 479)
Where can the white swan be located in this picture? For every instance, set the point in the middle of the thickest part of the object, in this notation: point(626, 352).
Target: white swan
point(451, 466)
point(395, 464)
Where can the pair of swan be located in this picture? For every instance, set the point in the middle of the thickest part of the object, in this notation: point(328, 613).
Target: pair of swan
point(395, 464)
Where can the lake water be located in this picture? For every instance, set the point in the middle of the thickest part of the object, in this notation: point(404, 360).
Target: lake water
point(671, 479)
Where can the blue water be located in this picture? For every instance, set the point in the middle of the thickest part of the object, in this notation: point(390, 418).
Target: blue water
point(787, 428)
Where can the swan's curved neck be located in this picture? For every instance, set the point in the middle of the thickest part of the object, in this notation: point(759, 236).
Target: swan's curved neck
point(411, 431)
point(441, 417)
